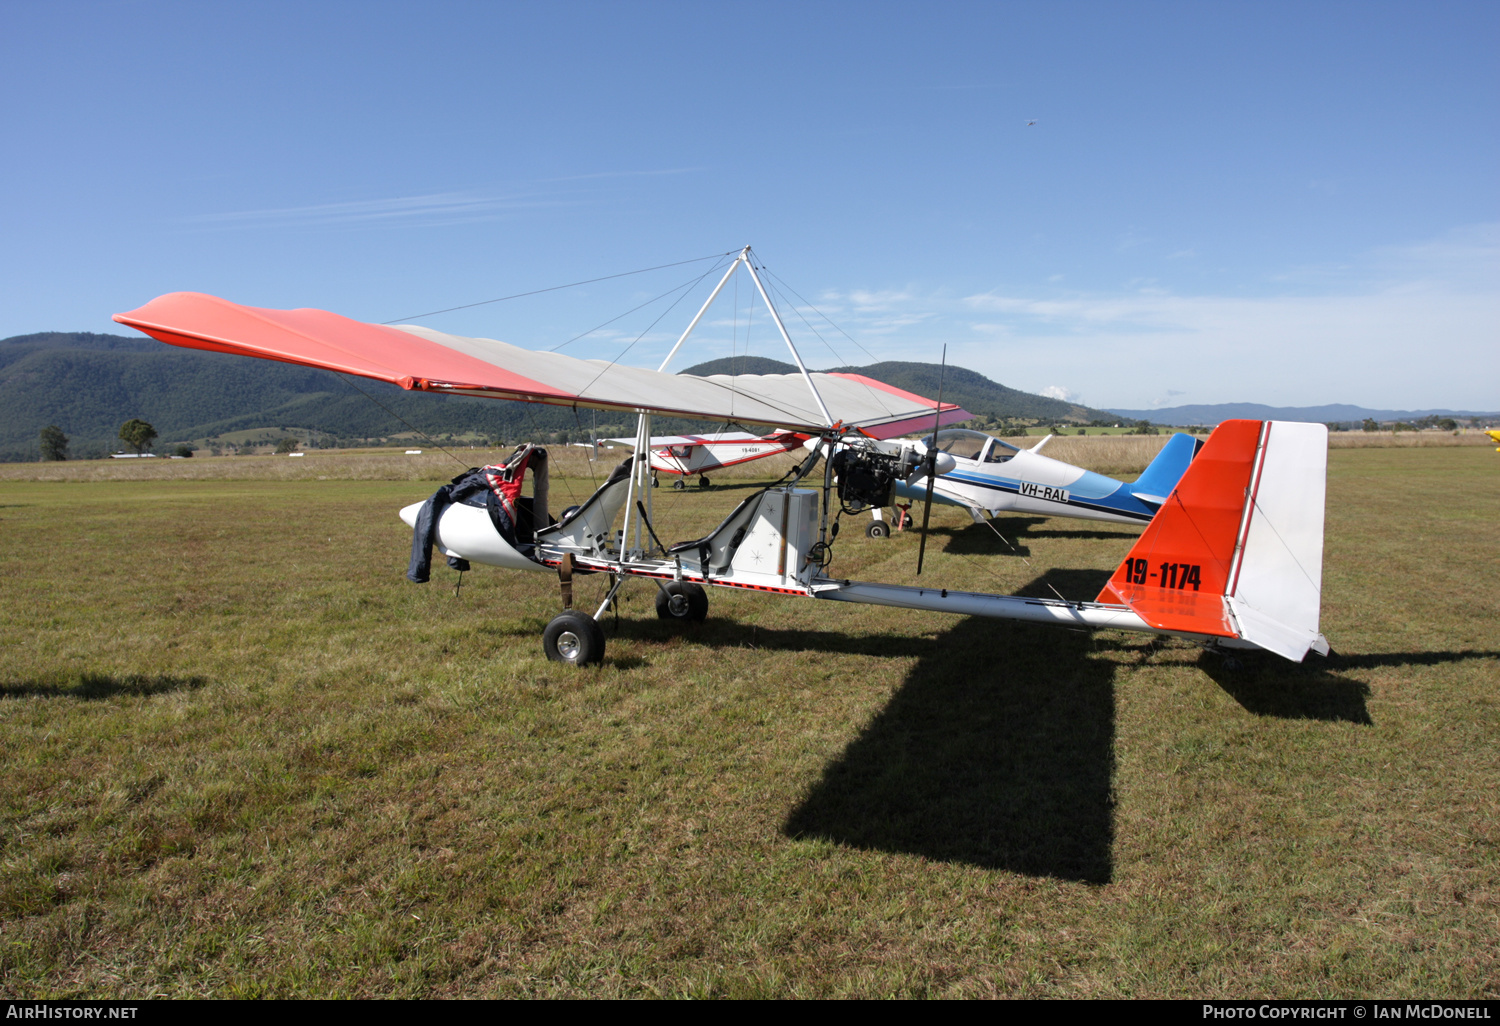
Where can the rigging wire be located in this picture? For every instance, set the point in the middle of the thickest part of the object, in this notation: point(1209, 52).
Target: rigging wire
point(393, 413)
point(347, 379)
point(593, 443)
point(821, 314)
point(554, 288)
point(1017, 551)
point(776, 291)
point(627, 313)
point(616, 358)
point(872, 393)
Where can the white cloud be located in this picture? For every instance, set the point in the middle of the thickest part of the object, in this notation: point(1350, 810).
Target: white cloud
point(424, 209)
point(1411, 326)
point(427, 209)
point(1399, 348)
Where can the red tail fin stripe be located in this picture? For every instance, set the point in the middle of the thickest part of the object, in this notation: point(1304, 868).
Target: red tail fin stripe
point(1253, 493)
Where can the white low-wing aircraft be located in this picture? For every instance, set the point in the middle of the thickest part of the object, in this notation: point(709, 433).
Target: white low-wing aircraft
point(984, 475)
point(1233, 557)
point(989, 476)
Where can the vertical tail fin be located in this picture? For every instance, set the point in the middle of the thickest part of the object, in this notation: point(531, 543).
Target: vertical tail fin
point(1158, 480)
point(1236, 551)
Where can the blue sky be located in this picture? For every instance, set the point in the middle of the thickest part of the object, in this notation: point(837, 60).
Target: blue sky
point(1282, 203)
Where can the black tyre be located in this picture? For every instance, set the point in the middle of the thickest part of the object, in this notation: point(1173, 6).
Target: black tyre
point(678, 485)
point(574, 637)
point(702, 482)
point(878, 529)
point(682, 600)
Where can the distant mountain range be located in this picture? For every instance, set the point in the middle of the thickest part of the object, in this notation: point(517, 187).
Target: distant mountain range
point(88, 385)
point(1335, 413)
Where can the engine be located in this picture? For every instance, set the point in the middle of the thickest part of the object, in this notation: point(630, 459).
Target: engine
point(867, 477)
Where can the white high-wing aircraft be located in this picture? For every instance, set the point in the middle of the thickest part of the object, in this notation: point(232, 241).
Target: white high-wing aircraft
point(1233, 557)
point(685, 455)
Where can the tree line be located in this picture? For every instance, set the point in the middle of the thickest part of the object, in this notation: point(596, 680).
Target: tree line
point(136, 433)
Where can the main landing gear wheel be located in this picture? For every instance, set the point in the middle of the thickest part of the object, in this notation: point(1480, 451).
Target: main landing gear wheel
point(574, 637)
point(682, 600)
point(878, 529)
point(678, 485)
point(703, 482)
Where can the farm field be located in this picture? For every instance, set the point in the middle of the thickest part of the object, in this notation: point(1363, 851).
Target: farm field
point(241, 756)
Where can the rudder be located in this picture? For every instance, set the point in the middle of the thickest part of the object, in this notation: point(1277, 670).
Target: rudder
point(1161, 476)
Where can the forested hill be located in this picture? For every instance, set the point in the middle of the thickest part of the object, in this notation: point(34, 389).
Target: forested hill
point(975, 392)
point(969, 389)
point(88, 385)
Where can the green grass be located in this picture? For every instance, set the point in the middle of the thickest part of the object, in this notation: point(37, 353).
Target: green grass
point(241, 756)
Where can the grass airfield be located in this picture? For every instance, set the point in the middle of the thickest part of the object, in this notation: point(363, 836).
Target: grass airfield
point(241, 756)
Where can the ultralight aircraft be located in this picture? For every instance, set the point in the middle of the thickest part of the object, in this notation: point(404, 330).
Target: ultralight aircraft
point(1231, 559)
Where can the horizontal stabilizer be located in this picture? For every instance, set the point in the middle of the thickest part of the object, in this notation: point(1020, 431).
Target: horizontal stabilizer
point(1236, 551)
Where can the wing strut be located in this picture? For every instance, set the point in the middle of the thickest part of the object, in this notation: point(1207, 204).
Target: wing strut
point(735, 266)
point(827, 417)
point(744, 258)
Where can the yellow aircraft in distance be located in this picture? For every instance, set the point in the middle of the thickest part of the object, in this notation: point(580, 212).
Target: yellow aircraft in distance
point(1495, 435)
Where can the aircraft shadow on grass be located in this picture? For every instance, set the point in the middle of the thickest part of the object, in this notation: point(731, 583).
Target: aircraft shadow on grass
point(1315, 689)
point(997, 751)
point(980, 540)
point(1007, 762)
point(724, 632)
point(94, 686)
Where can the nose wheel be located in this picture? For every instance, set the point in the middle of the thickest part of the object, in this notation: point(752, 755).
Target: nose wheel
point(575, 638)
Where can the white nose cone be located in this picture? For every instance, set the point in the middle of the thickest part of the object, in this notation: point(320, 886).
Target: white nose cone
point(944, 463)
point(409, 514)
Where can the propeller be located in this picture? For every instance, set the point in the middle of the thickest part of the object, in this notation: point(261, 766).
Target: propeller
point(931, 461)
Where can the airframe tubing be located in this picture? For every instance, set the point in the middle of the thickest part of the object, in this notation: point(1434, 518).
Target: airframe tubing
point(1006, 607)
point(704, 308)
